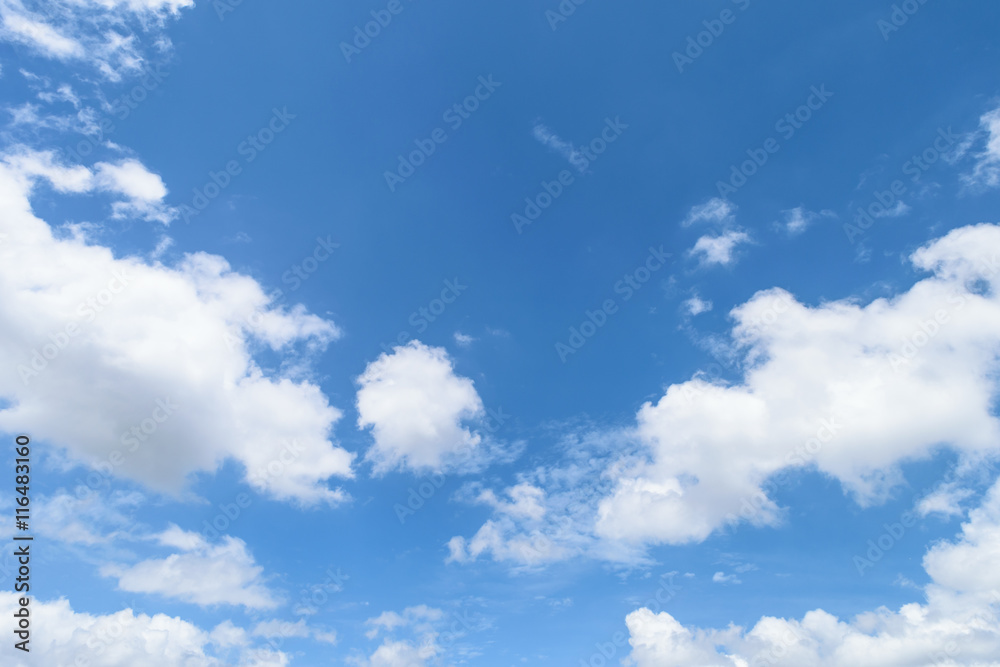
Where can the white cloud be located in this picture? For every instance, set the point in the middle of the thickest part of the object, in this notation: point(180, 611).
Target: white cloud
point(421, 621)
point(145, 336)
point(144, 190)
point(945, 500)
point(850, 390)
point(202, 573)
point(986, 172)
point(127, 638)
point(464, 340)
point(696, 306)
point(797, 220)
point(551, 140)
point(715, 210)
point(417, 408)
point(106, 34)
point(275, 629)
point(723, 578)
point(957, 625)
point(25, 27)
point(899, 210)
point(718, 249)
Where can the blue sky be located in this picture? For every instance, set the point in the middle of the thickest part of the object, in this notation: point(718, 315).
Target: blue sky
point(510, 334)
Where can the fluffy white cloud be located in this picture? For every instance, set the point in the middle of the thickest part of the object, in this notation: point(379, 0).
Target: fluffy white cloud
point(147, 370)
point(957, 626)
point(417, 408)
point(203, 574)
point(719, 249)
point(848, 389)
point(126, 639)
point(852, 390)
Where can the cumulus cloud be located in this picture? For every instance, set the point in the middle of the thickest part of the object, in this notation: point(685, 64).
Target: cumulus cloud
point(147, 368)
point(847, 389)
point(202, 573)
point(129, 638)
point(420, 412)
point(852, 390)
point(719, 249)
point(957, 625)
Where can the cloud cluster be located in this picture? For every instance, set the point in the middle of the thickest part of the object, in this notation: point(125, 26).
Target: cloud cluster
point(850, 390)
point(106, 35)
point(716, 249)
point(957, 626)
point(147, 369)
point(127, 638)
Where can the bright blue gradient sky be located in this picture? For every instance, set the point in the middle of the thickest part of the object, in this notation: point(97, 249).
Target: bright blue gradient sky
point(390, 340)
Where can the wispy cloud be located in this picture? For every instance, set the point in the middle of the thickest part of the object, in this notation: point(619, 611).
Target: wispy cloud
point(550, 139)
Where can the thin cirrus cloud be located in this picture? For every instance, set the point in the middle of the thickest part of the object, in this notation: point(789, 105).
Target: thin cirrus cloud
point(714, 211)
point(104, 34)
point(551, 140)
point(77, 361)
point(986, 170)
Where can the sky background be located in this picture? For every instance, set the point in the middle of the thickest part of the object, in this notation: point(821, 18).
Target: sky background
point(567, 479)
